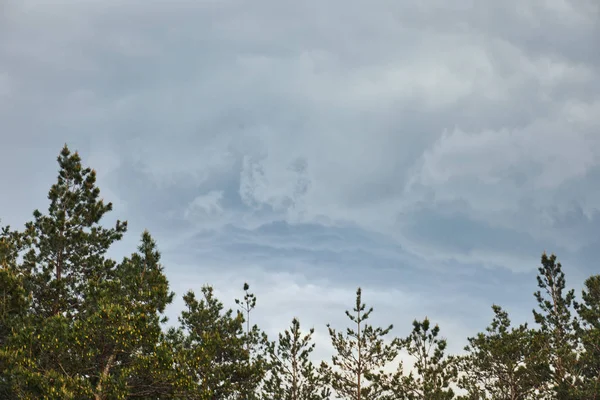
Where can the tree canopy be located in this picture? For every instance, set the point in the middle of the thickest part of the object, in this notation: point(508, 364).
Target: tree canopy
point(77, 324)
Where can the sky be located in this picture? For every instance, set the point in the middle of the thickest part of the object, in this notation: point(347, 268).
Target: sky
point(427, 151)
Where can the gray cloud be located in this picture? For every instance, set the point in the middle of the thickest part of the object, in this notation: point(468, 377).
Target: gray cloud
point(426, 148)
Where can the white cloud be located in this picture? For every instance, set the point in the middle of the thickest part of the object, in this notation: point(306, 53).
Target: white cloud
point(282, 189)
point(496, 171)
point(206, 205)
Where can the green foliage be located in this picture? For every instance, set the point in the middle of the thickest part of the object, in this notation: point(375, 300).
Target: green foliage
point(13, 306)
point(257, 344)
point(213, 350)
point(503, 362)
point(292, 376)
point(361, 354)
point(67, 247)
point(91, 324)
point(13, 300)
point(589, 333)
point(122, 327)
point(11, 243)
point(557, 328)
point(434, 370)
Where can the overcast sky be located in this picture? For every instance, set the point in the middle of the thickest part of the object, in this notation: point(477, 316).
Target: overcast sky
point(428, 151)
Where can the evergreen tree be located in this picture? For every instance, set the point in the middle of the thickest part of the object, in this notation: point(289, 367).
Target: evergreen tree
point(121, 336)
point(257, 345)
point(292, 376)
point(64, 251)
point(557, 327)
point(67, 246)
point(361, 354)
point(11, 244)
point(13, 305)
point(116, 351)
point(92, 325)
point(148, 361)
point(589, 332)
point(213, 350)
point(12, 295)
point(434, 370)
point(503, 363)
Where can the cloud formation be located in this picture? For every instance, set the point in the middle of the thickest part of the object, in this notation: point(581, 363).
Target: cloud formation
point(428, 150)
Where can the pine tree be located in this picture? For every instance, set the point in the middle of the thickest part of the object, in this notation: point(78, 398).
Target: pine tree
point(434, 370)
point(357, 370)
point(13, 302)
point(589, 332)
point(121, 336)
point(144, 288)
point(557, 327)
point(503, 363)
point(11, 243)
point(256, 345)
point(64, 251)
point(13, 306)
point(92, 326)
point(67, 246)
point(292, 376)
point(213, 350)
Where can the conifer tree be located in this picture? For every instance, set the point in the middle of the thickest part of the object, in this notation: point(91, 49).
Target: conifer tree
point(92, 325)
point(12, 295)
point(256, 345)
point(214, 353)
point(503, 363)
point(64, 251)
point(116, 351)
point(11, 244)
point(121, 336)
point(557, 327)
point(13, 306)
point(434, 370)
point(589, 332)
point(67, 246)
point(361, 354)
point(292, 375)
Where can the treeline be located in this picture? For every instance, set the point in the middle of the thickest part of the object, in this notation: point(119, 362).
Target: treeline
point(75, 324)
